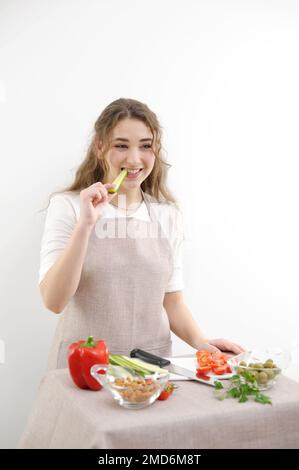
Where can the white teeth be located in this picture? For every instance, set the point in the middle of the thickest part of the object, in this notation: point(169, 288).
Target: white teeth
point(133, 171)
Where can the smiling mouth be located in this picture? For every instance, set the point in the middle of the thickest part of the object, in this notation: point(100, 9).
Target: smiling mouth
point(132, 171)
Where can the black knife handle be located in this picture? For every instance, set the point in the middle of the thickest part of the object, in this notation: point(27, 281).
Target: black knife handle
point(148, 357)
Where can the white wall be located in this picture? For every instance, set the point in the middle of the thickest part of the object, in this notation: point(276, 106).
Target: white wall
point(223, 78)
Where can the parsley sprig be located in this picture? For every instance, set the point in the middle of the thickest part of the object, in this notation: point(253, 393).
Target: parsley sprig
point(242, 389)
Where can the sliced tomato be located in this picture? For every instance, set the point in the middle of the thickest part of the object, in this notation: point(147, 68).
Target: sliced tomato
point(203, 352)
point(205, 363)
point(203, 358)
point(203, 369)
point(220, 370)
point(202, 355)
point(217, 362)
point(203, 376)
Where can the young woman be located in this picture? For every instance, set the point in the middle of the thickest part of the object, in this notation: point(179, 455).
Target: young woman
point(112, 262)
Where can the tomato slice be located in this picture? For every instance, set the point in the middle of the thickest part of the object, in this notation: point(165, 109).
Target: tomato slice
point(203, 358)
point(219, 370)
point(217, 362)
point(203, 369)
point(203, 354)
point(203, 376)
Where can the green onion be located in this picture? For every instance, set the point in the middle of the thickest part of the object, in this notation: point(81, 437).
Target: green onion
point(118, 181)
point(135, 365)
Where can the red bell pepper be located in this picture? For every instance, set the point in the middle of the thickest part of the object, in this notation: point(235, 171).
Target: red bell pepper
point(82, 355)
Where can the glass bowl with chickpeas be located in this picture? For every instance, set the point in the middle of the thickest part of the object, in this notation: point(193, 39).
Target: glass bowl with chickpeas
point(261, 366)
point(128, 388)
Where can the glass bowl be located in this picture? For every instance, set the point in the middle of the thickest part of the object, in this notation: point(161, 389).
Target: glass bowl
point(265, 365)
point(129, 390)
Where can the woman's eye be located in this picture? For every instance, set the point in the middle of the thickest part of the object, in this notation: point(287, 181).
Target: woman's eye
point(122, 146)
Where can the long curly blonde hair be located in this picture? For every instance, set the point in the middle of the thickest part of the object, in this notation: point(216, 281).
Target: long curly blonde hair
point(94, 167)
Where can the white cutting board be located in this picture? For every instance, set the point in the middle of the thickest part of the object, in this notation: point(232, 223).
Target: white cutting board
point(191, 364)
point(187, 362)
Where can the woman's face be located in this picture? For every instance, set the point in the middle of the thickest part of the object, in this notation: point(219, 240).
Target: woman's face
point(131, 148)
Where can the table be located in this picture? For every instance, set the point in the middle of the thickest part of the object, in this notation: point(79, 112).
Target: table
point(192, 418)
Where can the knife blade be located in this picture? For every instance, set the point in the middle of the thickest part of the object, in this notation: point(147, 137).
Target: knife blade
point(166, 364)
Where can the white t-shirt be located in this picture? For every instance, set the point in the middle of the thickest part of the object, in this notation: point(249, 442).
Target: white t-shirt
point(63, 213)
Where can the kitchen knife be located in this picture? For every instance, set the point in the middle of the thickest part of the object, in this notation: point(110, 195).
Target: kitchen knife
point(166, 364)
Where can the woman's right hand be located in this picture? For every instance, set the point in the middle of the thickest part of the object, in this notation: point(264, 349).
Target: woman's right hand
point(92, 202)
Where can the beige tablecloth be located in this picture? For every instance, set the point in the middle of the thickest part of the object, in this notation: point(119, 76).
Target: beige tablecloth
point(67, 417)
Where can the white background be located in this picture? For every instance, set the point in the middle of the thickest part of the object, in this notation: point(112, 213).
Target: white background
point(223, 78)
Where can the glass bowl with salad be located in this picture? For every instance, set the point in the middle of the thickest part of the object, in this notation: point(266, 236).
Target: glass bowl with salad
point(261, 366)
point(132, 383)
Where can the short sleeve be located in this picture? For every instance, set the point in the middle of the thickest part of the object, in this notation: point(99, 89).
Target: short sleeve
point(59, 225)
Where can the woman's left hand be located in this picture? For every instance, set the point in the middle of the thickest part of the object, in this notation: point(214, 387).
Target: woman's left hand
point(226, 346)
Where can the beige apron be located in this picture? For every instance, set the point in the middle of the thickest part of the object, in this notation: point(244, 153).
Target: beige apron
point(120, 294)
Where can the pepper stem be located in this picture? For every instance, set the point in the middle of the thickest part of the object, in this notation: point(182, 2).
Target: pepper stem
point(89, 343)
